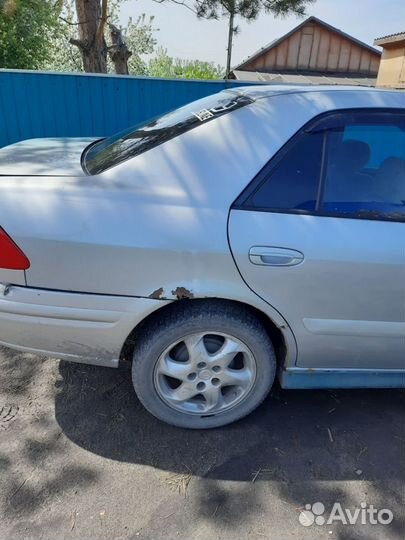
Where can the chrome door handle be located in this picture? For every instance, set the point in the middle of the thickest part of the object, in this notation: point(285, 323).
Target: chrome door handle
point(275, 256)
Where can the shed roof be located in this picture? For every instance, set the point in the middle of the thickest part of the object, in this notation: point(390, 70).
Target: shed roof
point(304, 78)
point(391, 38)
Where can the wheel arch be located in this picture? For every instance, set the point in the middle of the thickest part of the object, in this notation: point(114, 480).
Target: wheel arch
point(280, 334)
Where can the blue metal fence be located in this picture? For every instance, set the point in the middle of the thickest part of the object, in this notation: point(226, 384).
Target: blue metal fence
point(41, 104)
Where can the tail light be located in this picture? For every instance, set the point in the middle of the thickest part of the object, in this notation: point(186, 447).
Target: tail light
point(11, 256)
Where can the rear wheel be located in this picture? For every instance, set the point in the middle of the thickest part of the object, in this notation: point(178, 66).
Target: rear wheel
point(203, 365)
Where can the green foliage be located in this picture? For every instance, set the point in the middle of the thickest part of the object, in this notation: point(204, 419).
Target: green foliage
point(249, 9)
point(64, 56)
point(138, 34)
point(35, 34)
point(162, 65)
point(26, 27)
point(139, 37)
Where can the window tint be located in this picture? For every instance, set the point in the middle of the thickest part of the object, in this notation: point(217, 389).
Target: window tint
point(147, 135)
point(385, 141)
point(293, 183)
point(365, 170)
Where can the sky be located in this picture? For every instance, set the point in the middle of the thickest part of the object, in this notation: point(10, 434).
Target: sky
point(185, 36)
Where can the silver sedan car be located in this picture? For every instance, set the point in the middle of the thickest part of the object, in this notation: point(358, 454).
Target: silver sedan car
point(255, 233)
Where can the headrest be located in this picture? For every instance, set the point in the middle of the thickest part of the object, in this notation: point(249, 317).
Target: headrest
point(393, 166)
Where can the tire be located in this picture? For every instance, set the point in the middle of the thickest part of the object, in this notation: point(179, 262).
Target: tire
point(211, 329)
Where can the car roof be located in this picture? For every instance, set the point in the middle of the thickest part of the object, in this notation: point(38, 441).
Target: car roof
point(260, 91)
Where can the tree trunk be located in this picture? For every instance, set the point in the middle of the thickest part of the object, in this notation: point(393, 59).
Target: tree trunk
point(118, 51)
point(91, 16)
point(229, 49)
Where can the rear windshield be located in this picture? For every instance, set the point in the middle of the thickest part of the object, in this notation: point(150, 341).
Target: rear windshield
point(138, 139)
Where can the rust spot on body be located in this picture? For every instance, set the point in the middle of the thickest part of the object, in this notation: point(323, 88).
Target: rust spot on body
point(157, 295)
point(181, 293)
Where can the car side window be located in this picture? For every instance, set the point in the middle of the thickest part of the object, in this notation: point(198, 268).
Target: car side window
point(365, 170)
point(384, 141)
point(345, 163)
point(292, 184)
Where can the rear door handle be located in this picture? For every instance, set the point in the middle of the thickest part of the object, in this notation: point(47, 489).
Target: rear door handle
point(275, 256)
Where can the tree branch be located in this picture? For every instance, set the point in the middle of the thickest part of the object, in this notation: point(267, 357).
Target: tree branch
point(78, 43)
point(70, 22)
point(179, 3)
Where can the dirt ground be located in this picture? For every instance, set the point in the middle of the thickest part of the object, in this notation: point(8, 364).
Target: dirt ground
point(81, 459)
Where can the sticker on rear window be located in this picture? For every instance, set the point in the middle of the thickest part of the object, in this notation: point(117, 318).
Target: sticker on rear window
point(205, 114)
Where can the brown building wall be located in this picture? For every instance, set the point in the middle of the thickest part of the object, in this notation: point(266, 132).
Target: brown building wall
point(316, 48)
point(392, 67)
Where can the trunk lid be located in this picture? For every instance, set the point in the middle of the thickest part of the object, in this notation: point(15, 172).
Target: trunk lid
point(44, 157)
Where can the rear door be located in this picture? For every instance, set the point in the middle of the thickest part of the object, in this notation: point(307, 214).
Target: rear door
point(320, 235)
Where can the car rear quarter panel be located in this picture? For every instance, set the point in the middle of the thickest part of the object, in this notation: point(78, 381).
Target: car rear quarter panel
point(12, 276)
point(88, 328)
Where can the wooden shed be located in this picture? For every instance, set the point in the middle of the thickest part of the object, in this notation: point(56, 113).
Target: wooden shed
point(392, 67)
point(314, 48)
